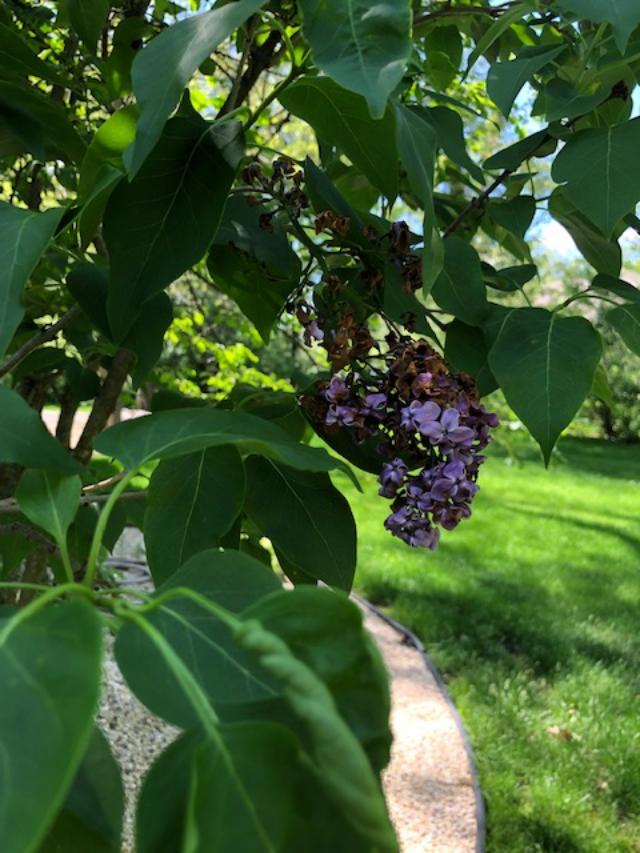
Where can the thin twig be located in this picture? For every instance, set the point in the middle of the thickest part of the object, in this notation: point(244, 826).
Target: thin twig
point(456, 11)
point(476, 203)
point(47, 333)
point(28, 533)
point(103, 484)
point(9, 505)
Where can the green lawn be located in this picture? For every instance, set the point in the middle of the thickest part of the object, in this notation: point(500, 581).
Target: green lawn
point(531, 610)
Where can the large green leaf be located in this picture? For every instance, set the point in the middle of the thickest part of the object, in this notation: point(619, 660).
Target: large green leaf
point(107, 146)
point(342, 118)
point(450, 133)
point(95, 201)
point(50, 676)
point(50, 500)
point(617, 286)
point(17, 58)
point(623, 15)
point(24, 439)
point(516, 215)
point(545, 365)
point(257, 268)
point(91, 818)
point(466, 350)
point(511, 157)
point(186, 798)
point(601, 172)
point(191, 503)
point(164, 435)
point(506, 79)
point(239, 791)
point(560, 99)
point(61, 139)
point(165, 66)
point(364, 45)
point(626, 321)
point(443, 45)
point(25, 236)
point(161, 223)
point(306, 518)
point(604, 255)
point(417, 143)
point(460, 288)
point(226, 673)
point(325, 630)
point(89, 285)
point(146, 336)
point(20, 132)
point(88, 17)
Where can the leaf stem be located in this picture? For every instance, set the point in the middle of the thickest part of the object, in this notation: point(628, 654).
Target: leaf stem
point(229, 619)
point(192, 690)
point(584, 294)
point(101, 526)
point(66, 559)
point(38, 603)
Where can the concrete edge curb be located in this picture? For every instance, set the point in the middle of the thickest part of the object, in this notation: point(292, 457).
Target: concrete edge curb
point(481, 824)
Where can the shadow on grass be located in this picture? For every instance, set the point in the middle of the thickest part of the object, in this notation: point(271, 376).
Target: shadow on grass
point(605, 529)
point(594, 456)
point(513, 619)
point(549, 837)
point(617, 460)
point(515, 626)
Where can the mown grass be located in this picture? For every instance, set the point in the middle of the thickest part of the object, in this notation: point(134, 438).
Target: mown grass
point(531, 610)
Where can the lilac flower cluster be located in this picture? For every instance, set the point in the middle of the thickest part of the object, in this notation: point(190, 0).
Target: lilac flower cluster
point(432, 429)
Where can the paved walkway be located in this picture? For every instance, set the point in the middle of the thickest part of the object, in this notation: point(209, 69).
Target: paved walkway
point(428, 783)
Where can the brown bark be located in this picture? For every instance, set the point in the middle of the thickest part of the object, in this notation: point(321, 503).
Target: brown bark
point(105, 403)
point(68, 409)
point(35, 571)
point(260, 58)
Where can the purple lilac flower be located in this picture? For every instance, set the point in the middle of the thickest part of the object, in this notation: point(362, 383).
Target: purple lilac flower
point(341, 415)
point(429, 418)
point(450, 516)
point(314, 331)
point(337, 390)
point(417, 414)
point(447, 430)
point(374, 404)
point(392, 477)
point(425, 537)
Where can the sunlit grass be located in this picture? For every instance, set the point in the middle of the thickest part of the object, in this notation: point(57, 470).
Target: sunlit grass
point(531, 610)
